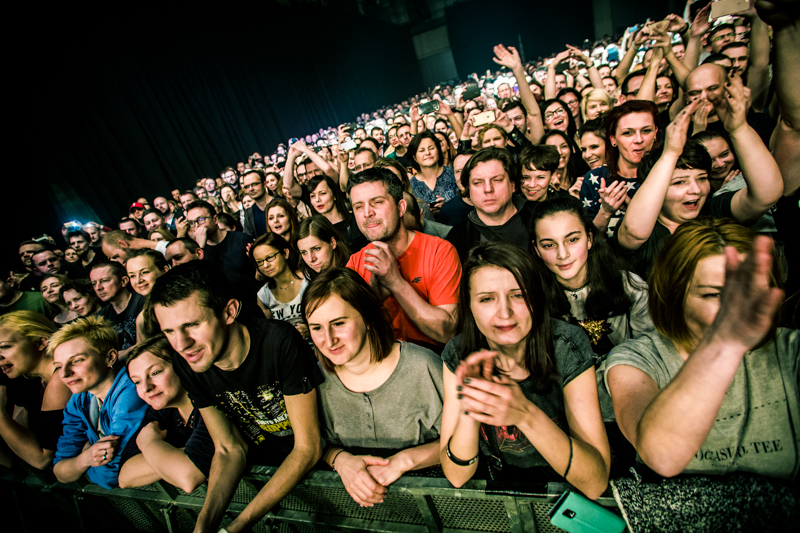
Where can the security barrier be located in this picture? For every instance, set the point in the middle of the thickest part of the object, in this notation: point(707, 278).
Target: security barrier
point(413, 504)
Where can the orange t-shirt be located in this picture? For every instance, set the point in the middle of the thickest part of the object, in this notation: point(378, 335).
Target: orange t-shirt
point(431, 266)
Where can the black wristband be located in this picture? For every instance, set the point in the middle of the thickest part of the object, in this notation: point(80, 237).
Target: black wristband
point(456, 460)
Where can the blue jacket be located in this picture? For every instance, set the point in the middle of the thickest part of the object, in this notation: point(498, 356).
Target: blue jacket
point(121, 415)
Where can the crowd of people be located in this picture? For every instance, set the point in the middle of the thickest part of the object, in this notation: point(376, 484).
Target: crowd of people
point(579, 269)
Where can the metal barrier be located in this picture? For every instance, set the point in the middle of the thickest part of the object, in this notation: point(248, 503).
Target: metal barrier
point(320, 503)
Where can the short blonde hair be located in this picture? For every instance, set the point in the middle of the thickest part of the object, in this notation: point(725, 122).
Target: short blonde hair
point(595, 95)
point(29, 324)
point(96, 330)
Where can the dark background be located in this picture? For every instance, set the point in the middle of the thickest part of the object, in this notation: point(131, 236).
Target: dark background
point(126, 101)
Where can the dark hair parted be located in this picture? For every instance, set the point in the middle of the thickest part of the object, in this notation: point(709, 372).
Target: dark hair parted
point(288, 252)
point(576, 166)
point(291, 215)
point(694, 156)
point(597, 126)
point(379, 175)
point(386, 162)
point(77, 233)
point(612, 121)
point(157, 258)
point(572, 128)
point(202, 204)
point(539, 157)
point(539, 358)
point(484, 155)
point(81, 285)
point(339, 200)
point(195, 277)
point(116, 269)
point(320, 227)
point(157, 345)
point(350, 287)
point(604, 269)
point(413, 146)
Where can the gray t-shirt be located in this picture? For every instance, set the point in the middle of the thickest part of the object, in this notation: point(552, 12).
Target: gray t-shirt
point(754, 430)
point(405, 411)
point(573, 357)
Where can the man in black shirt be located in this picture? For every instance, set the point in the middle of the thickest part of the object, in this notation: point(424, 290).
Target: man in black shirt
point(227, 250)
point(80, 241)
point(254, 383)
point(110, 282)
point(255, 219)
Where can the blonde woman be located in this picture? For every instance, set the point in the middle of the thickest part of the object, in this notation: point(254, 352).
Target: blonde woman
point(595, 103)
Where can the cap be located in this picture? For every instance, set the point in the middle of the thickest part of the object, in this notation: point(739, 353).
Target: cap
point(136, 205)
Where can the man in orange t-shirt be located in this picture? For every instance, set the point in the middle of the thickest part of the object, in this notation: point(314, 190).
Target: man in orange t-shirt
point(417, 275)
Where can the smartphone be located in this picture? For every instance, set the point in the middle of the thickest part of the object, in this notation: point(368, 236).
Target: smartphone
point(348, 145)
point(721, 8)
point(481, 119)
point(575, 514)
point(562, 67)
point(429, 107)
point(41, 238)
point(470, 92)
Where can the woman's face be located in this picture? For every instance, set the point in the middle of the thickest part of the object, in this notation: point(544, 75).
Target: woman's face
point(247, 202)
point(427, 154)
point(227, 194)
point(562, 243)
point(442, 142)
point(71, 255)
point(50, 288)
point(593, 150)
point(440, 127)
point(158, 237)
point(83, 305)
point(493, 137)
point(664, 91)
point(499, 307)
point(322, 199)
point(338, 331)
point(453, 139)
point(271, 182)
point(634, 136)
point(534, 183)
point(594, 108)
point(142, 273)
point(563, 148)
point(555, 117)
point(702, 298)
point(270, 261)
point(18, 355)
point(84, 371)
point(722, 158)
point(278, 221)
point(686, 195)
point(317, 254)
point(155, 381)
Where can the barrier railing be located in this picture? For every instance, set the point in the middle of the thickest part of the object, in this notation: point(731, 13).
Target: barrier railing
point(413, 504)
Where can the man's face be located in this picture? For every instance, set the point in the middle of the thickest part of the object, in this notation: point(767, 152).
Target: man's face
point(186, 199)
point(137, 213)
point(458, 166)
point(362, 161)
point(742, 34)
point(240, 167)
point(377, 134)
point(153, 221)
point(490, 187)
point(404, 135)
point(106, 284)
point(177, 254)
point(561, 82)
point(115, 253)
point(609, 85)
point(537, 92)
point(634, 84)
point(201, 193)
point(254, 187)
point(229, 177)
point(79, 244)
point(504, 90)
point(720, 39)
point(739, 58)
point(518, 118)
point(26, 251)
point(210, 185)
point(161, 204)
point(176, 195)
point(679, 50)
point(195, 331)
point(93, 232)
point(130, 227)
point(47, 262)
point(605, 71)
point(377, 214)
point(706, 82)
point(199, 217)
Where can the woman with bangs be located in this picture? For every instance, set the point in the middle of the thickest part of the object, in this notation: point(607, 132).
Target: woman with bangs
point(675, 188)
point(595, 103)
point(51, 292)
point(557, 116)
point(381, 402)
point(713, 390)
point(30, 429)
point(520, 386)
point(320, 246)
point(435, 183)
point(571, 167)
point(281, 218)
point(631, 130)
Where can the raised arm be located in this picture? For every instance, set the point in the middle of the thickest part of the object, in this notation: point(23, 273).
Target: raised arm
point(758, 72)
point(550, 83)
point(302, 411)
point(594, 74)
point(668, 427)
point(625, 64)
point(446, 110)
point(414, 122)
point(648, 89)
point(320, 161)
point(645, 206)
point(785, 142)
point(759, 169)
point(509, 57)
point(288, 173)
point(664, 42)
point(700, 26)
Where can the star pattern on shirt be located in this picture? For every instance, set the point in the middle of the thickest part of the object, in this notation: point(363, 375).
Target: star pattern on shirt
point(587, 203)
point(593, 179)
point(631, 185)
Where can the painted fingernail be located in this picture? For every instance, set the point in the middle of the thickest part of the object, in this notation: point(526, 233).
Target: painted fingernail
point(459, 388)
point(467, 381)
point(466, 412)
point(460, 396)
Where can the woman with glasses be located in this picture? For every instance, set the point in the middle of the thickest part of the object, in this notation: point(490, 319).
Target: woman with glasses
point(557, 116)
point(280, 297)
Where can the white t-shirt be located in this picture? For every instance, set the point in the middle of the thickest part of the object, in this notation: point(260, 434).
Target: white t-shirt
point(291, 312)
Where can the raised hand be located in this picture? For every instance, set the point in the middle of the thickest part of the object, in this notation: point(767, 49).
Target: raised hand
point(700, 116)
point(577, 53)
point(612, 197)
point(414, 112)
point(508, 57)
point(560, 58)
point(675, 23)
point(575, 190)
point(732, 110)
point(678, 129)
point(444, 107)
point(502, 120)
point(701, 23)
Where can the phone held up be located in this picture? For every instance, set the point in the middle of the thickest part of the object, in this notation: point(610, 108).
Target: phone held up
point(481, 119)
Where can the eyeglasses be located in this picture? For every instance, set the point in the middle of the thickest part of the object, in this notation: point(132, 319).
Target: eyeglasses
point(359, 168)
point(269, 259)
point(252, 185)
point(722, 36)
point(199, 222)
point(558, 112)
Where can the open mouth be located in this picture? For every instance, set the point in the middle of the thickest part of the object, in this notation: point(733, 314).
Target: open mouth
point(192, 357)
point(6, 368)
point(565, 267)
point(505, 329)
point(692, 206)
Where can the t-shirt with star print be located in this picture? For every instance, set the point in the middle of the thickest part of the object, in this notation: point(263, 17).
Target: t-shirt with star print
point(590, 193)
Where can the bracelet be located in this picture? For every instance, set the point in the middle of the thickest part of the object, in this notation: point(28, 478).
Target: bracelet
point(685, 29)
point(456, 460)
point(569, 464)
point(333, 461)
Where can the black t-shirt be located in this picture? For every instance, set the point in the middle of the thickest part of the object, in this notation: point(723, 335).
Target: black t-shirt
point(642, 259)
point(193, 436)
point(259, 220)
point(231, 254)
point(454, 211)
point(787, 215)
point(279, 363)
point(28, 394)
point(125, 322)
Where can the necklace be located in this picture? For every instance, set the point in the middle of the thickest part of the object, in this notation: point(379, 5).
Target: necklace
point(286, 287)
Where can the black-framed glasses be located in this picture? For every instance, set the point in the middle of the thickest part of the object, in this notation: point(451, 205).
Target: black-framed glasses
point(199, 222)
point(557, 112)
point(268, 259)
